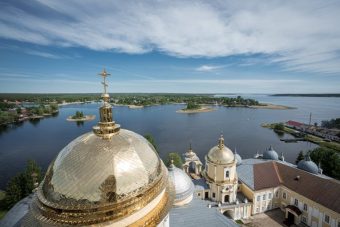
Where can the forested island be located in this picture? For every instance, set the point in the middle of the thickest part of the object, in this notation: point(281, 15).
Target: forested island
point(79, 116)
point(193, 107)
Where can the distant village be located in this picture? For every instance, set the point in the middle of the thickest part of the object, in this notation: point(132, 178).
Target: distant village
point(13, 112)
point(328, 134)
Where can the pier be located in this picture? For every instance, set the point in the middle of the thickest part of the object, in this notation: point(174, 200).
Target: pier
point(294, 140)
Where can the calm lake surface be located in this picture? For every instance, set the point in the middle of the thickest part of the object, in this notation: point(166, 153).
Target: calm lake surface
point(42, 140)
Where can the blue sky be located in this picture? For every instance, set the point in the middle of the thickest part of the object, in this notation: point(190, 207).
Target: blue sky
point(170, 46)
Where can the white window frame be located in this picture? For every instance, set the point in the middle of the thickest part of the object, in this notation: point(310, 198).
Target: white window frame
point(296, 202)
point(305, 207)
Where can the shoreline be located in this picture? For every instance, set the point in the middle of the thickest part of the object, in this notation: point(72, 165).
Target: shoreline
point(70, 103)
point(200, 110)
point(270, 106)
point(130, 106)
point(86, 118)
point(135, 107)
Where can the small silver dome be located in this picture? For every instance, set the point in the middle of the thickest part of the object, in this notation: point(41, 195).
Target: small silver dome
point(270, 154)
point(238, 159)
point(183, 184)
point(308, 165)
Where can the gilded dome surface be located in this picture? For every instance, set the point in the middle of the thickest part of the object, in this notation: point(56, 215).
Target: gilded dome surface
point(94, 171)
point(94, 181)
point(183, 184)
point(220, 156)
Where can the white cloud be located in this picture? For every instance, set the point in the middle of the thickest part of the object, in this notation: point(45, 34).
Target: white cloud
point(43, 54)
point(299, 35)
point(208, 68)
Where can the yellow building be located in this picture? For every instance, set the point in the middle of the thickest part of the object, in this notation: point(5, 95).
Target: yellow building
point(220, 173)
point(221, 182)
point(303, 196)
point(242, 188)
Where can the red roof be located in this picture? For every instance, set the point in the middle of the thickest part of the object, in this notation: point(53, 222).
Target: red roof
point(295, 123)
point(321, 190)
point(266, 175)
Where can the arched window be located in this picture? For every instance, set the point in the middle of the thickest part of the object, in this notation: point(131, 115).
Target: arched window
point(227, 174)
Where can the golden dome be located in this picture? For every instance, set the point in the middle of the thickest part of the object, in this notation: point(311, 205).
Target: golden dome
point(127, 163)
point(221, 154)
point(108, 176)
point(115, 178)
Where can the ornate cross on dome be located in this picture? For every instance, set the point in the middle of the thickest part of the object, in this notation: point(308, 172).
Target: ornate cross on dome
point(104, 74)
point(106, 127)
point(221, 142)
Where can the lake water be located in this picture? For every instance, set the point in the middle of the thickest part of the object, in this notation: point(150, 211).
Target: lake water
point(42, 140)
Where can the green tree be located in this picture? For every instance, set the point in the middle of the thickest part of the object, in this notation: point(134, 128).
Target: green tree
point(54, 107)
point(47, 110)
point(176, 158)
point(13, 191)
point(279, 127)
point(191, 105)
point(31, 169)
point(151, 140)
point(40, 111)
point(7, 117)
point(22, 184)
point(78, 115)
point(329, 159)
point(333, 123)
point(300, 157)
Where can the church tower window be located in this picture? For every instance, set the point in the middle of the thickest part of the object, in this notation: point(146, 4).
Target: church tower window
point(227, 174)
